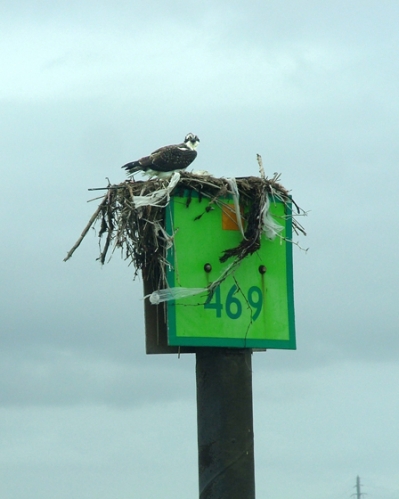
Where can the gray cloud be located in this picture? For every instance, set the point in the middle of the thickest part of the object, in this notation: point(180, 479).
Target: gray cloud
point(87, 87)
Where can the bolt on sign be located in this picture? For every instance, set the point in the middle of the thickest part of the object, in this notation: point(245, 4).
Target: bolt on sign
point(253, 307)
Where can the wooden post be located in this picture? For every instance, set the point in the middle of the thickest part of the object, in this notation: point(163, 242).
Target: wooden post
point(225, 423)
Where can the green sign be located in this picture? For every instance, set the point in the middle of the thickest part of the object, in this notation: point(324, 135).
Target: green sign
point(253, 307)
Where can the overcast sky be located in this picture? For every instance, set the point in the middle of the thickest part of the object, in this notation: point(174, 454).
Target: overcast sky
point(313, 86)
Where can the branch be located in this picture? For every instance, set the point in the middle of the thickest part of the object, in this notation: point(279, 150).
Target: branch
point(85, 230)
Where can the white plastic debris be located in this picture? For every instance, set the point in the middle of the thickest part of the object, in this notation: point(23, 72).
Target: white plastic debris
point(169, 239)
point(269, 226)
point(201, 173)
point(236, 198)
point(160, 197)
point(173, 294)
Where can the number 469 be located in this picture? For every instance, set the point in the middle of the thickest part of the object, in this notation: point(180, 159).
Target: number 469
point(233, 306)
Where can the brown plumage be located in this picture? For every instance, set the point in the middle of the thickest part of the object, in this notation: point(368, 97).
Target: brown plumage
point(166, 160)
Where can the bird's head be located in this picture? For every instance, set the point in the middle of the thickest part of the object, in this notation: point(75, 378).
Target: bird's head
point(191, 141)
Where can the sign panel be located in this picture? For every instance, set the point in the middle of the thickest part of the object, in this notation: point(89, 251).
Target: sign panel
point(253, 307)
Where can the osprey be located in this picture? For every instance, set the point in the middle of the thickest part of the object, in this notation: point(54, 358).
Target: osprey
point(166, 160)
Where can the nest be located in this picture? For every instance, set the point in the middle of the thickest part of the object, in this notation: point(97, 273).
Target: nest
point(138, 229)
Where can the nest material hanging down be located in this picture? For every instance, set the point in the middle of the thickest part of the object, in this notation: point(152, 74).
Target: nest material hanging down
point(131, 218)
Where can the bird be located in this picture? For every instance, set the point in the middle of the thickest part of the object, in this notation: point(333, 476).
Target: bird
point(166, 160)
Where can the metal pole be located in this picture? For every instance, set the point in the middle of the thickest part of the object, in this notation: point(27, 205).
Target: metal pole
point(358, 493)
point(225, 424)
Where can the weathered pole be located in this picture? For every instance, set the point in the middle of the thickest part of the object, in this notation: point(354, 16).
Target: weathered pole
point(225, 423)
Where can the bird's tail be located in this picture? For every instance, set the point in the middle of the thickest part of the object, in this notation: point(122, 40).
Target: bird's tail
point(132, 167)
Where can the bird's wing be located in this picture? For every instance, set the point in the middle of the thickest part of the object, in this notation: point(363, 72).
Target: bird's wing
point(171, 158)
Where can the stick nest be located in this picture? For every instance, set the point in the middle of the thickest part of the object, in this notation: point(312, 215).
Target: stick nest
point(139, 231)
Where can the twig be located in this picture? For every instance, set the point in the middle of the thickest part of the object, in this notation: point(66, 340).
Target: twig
point(261, 169)
point(85, 230)
point(248, 306)
point(107, 188)
point(94, 199)
point(110, 229)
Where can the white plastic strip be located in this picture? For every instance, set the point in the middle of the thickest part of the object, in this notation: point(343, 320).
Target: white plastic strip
point(173, 294)
point(167, 238)
point(269, 226)
point(160, 197)
point(236, 198)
